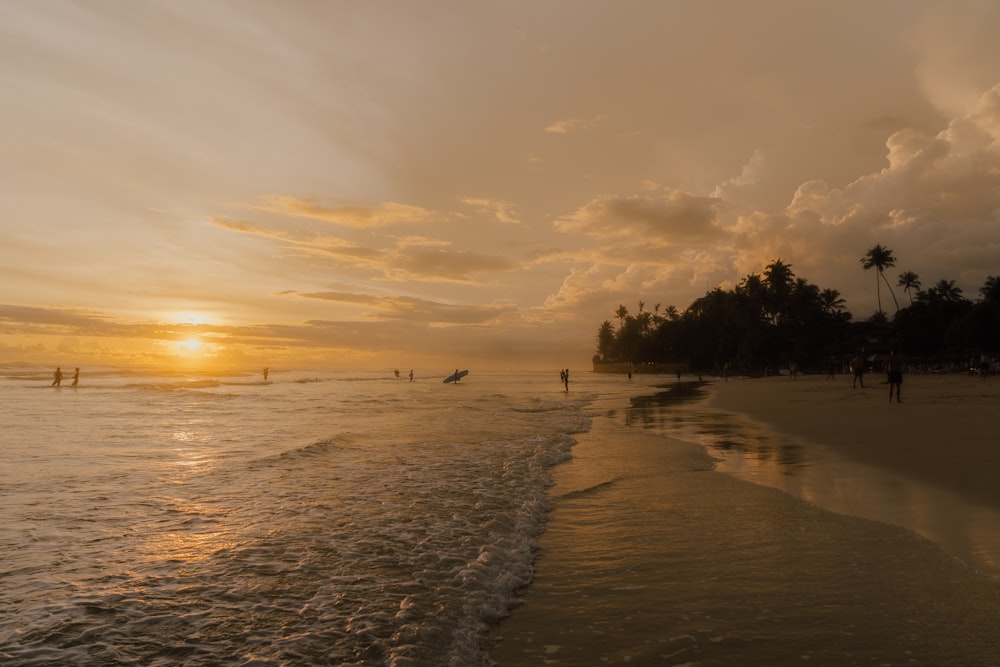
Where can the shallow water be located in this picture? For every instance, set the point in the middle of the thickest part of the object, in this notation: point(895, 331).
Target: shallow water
point(328, 518)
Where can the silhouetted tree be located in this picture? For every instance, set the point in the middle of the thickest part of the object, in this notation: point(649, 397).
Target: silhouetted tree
point(910, 282)
point(880, 258)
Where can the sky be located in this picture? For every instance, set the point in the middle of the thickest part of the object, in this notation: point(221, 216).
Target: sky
point(475, 184)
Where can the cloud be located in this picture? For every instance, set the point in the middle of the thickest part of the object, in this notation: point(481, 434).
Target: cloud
point(749, 176)
point(407, 308)
point(936, 205)
point(356, 216)
point(571, 125)
point(405, 259)
point(665, 218)
point(502, 210)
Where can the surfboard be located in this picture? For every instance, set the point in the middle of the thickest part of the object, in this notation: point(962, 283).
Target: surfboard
point(455, 377)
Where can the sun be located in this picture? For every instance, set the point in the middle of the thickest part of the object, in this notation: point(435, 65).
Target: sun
point(189, 346)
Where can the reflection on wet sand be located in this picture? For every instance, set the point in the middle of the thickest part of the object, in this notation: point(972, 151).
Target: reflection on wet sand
point(751, 451)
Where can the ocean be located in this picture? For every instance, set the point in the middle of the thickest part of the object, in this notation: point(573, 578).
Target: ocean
point(339, 518)
point(320, 518)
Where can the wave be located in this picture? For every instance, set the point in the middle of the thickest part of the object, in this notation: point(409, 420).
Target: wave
point(590, 490)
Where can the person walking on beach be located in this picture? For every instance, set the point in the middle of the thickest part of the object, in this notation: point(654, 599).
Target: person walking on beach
point(76, 378)
point(894, 369)
point(858, 369)
point(565, 378)
point(57, 377)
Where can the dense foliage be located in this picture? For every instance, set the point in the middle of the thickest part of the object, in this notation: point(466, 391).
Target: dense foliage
point(777, 320)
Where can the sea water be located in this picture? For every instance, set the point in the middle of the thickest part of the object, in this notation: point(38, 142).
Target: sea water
point(319, 518)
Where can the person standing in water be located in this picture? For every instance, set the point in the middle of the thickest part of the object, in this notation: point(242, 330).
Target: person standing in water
point(411, 375)
point(266, 371)
point(57, 377)
point(566, 379)
point(76, 378)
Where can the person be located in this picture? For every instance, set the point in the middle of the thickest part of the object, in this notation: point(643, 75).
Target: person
point(830, 371)
point(396, 373)
point(894, 369)
point(457, 379)
point(565, 376)
point(858, 369)
point(57, 377)
point(76, 378)
point(266, 371)
point(411, 375)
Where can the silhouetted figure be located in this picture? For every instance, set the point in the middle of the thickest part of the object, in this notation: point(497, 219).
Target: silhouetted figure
point(565, 377)
point(57, 377)
point(858, 369)
point(894, 369)
point(457, 378)
point(76, 378)
point(397, 373)
point(411, 375)
point(266, 371)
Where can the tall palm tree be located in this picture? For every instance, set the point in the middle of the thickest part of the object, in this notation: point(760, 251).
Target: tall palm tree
point(910, 282)
point(880, 258)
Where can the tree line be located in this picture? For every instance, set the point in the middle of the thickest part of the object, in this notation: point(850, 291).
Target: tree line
point(775, 320)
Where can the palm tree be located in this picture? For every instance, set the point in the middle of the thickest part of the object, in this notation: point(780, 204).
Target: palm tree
point(621, 314)
point(990, 290)
point(831, 301)
point(881, 258)
point(779, 282)
point(947, 291)
point(910, 282)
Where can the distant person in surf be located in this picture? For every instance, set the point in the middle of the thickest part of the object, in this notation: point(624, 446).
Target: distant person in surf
point(458, 378)
point(564, 376)
point(266, 371)
point(57, 377)
point(76, 378)
point(411, 375)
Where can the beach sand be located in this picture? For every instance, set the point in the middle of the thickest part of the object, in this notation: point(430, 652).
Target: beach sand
point(945, 432)
point(653, 556)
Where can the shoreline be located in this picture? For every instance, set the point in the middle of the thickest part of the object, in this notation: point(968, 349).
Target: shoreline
point(655, 554)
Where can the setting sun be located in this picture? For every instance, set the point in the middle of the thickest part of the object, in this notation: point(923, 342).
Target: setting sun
point(189, 346)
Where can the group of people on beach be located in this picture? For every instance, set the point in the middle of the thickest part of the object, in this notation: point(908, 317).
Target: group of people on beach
point(58, 376)
point(894, 373)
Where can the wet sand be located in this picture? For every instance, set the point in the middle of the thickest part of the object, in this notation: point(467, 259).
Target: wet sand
point(653, 555)
point(946, 431)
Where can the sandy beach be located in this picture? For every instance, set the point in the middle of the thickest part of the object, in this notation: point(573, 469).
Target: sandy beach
point(944, 432)
point(722, 531)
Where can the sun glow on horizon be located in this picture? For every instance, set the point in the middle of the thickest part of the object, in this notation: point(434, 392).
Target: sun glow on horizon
point(189, 346)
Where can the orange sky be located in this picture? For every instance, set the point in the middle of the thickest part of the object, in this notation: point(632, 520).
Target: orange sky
point(475, 184)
